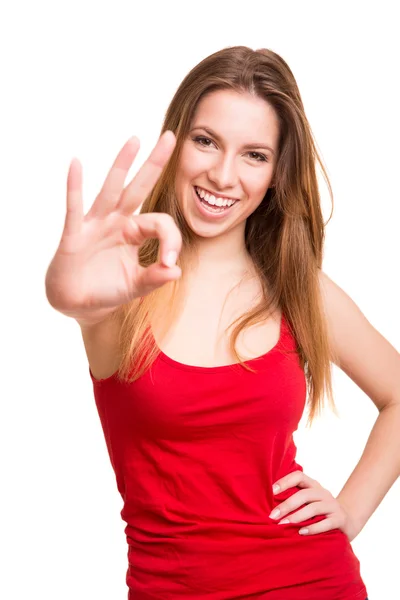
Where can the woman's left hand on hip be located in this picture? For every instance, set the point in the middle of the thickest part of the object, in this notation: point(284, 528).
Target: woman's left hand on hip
point(318, 501)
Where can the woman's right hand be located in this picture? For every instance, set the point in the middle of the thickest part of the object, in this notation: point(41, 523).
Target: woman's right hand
point(95, 268)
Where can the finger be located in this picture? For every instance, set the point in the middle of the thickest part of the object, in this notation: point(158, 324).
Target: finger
point(296, 478)
point(325, 525)
point(146, 178)
point(307, 512)
point(74, 213)
point(300, 498)
point(113, 185)
point(156, 225)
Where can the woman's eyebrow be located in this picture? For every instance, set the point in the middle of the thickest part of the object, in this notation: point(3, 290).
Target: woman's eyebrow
point(217, 137)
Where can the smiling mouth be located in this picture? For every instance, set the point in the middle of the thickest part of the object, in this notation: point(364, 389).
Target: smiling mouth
point(213, 208)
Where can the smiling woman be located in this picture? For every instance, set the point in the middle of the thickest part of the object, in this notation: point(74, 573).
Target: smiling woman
point(227, 165)
point(202, 370)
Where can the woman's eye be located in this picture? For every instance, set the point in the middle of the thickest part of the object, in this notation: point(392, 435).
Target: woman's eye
point(258, 156)
point(201, 139)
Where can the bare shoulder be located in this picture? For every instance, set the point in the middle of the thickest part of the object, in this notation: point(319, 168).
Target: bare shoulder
point(362, 352)
point(101, 343)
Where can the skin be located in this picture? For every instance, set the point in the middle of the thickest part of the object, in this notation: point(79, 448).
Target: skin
point(224, 166)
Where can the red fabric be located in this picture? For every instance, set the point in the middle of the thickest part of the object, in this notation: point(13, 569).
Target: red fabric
point(195, 452)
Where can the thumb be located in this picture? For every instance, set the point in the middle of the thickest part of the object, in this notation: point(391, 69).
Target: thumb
point(154, 276)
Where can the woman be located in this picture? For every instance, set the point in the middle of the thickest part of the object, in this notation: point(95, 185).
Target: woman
point(200, 369)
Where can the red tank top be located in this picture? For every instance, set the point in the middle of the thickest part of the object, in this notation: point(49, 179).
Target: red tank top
point(195, 452)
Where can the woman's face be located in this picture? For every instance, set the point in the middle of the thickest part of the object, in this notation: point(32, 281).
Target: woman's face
point(230, 154)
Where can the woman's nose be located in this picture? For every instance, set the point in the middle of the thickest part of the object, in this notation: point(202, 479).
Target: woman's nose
point(224, 173)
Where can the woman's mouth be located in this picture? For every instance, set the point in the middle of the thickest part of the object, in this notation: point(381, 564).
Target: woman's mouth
point(206, 205)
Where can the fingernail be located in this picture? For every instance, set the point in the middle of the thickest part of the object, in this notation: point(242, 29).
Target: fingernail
point(275, 513)
point(275, 489)
point(170, 259)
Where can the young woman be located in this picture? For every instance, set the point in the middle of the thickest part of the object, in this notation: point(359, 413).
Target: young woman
point(201, 369)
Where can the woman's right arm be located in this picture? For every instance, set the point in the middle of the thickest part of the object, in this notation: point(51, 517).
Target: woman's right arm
point(96, 266)
point(101, 345)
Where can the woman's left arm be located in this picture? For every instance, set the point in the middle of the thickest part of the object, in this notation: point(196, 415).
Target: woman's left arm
point(374, 365)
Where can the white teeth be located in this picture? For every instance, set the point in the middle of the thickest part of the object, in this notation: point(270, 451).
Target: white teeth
point(220, 202)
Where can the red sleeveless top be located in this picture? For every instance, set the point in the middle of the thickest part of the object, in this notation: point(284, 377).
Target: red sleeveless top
point(195, 451)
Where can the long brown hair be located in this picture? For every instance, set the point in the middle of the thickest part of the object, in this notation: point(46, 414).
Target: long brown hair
point(284, 236)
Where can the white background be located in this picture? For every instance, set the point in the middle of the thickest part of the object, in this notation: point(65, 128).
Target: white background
point(78, 79)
